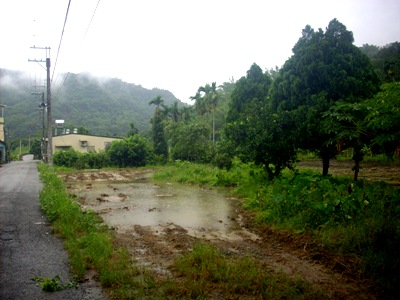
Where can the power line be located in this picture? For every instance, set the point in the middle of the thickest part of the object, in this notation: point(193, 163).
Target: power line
point(62, 34)
point(90, 23)
point(65, 77)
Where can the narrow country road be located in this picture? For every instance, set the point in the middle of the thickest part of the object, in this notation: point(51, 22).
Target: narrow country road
point(27, 248)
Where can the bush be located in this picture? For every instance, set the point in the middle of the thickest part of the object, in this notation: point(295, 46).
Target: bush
point(66, 158)
point(74, 159)
point(129, 152)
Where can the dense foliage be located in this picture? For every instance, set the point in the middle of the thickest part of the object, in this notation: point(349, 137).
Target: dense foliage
point(325, 67)
point(133, 151)
point(78, 160)
point(386, 60)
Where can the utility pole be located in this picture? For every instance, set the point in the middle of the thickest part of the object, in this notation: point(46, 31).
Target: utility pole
point(43, 144)
point(49, 119)
point(41, 107)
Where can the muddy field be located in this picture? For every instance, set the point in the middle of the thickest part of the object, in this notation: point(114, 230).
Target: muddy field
point(140, 213)
point(370, 171)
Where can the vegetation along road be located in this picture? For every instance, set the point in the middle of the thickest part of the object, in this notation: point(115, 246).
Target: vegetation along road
point(30, 256)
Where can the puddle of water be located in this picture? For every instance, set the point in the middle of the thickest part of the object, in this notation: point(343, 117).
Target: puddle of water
point(124, 204)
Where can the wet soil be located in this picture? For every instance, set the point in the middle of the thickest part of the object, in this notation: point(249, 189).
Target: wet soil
point(156, 246)
point(371, 171)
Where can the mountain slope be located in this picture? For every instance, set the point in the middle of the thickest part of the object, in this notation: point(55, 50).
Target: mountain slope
point(103, 106)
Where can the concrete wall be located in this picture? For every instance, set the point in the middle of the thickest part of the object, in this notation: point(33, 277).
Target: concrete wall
point(2, 129)
point(81, 142)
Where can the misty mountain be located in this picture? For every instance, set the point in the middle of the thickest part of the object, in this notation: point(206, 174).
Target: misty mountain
point(104, 106)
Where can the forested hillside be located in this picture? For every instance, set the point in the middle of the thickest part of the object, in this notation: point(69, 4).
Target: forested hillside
point(102, 106)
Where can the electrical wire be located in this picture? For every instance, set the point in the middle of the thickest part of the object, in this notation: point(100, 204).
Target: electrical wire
point(62, 35)
point(83, 39)
point(90, 23)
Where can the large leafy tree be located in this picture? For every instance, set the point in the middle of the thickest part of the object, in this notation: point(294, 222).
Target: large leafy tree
point(265, 138)
point(249, 89)
point(189, 141)
point(256, 132)
point(325, 67)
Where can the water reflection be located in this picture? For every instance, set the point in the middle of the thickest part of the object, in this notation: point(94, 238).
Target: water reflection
point(143, 203)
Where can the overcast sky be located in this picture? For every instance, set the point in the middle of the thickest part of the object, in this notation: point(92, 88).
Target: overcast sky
point(177, 45)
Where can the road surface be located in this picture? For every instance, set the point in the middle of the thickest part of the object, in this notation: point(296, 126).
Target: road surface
point(27, 248)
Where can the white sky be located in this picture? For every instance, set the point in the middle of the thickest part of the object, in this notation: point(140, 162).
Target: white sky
point(177, 45)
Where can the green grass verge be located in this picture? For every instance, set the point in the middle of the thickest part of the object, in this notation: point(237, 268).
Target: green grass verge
point(87, 239)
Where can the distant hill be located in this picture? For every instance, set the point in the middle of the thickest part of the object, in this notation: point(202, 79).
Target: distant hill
point(103, 106)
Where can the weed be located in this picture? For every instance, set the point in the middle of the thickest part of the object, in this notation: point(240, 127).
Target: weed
point(54, 284)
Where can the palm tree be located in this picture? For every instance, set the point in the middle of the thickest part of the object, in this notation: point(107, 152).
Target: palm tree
point(158, 101)
point(209, 100)
point(159, 141)
point(174, 112)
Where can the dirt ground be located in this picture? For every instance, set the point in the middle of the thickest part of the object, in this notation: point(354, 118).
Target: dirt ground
point(156, 247)
point(371, 171)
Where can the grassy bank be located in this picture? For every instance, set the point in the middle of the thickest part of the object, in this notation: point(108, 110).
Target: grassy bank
point(358, 221)
point(203, 273)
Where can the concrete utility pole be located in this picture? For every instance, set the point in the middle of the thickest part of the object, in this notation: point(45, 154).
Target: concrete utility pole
point(42, 107)
point(49, 119)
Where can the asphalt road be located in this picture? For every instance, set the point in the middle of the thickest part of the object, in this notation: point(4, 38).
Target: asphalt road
point(27, 248)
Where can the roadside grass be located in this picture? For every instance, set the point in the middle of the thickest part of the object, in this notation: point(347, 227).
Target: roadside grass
point(356, 220)
point(88, 241)
point(206, 269)
point(199, 273)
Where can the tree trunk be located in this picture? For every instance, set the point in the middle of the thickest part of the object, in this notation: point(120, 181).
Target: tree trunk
point(269, 172)
point(356, 169)
point(213, 125)
point(325, 165)
point(358, 158)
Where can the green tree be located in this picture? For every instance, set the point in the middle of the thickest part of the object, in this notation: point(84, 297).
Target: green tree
point(325, 67)
point(347, 121)
point(133, 130)
point(384, 118)
point(265, 138)
point(256, 132)
point(370, 50)
point(253, 87)
point(159, 141)
point(387, 62)
point(206, 100)
point(132, 151)
point(189, 141)
point(36, 149)
point(83, 130)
